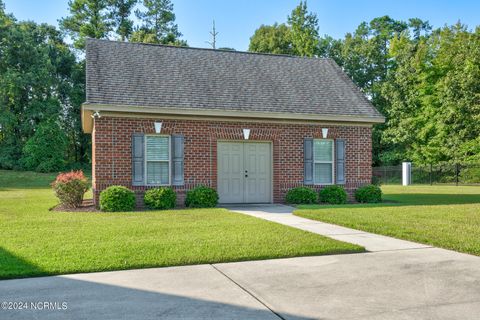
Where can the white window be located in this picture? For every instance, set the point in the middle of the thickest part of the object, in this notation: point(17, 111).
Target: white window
point(323, 161)
point(157, 160)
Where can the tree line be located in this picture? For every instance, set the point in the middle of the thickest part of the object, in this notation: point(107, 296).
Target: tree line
point(425, 81)
point(42, 77)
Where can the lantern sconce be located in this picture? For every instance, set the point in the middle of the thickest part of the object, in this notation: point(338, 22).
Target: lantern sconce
point(246, 134)
point(96, 115)
point(324, 133)
point(158, 127)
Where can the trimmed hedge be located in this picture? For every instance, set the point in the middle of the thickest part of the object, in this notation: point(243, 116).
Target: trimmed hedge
point(333, 195)
point(117, 198)
point(201, 197)
point(160, 198)
point(368, 194)
point(301, 195)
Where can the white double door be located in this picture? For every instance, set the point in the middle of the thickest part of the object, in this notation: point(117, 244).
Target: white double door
point(244, 172)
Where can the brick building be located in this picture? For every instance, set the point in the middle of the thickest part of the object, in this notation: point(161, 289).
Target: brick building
point(250, 125)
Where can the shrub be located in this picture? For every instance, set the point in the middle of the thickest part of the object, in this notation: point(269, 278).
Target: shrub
point(70, 188)
point(368, 194)
point(333, 195)
point(201, 197)
point(117, 198)
point(160, 198)
point(301, 195)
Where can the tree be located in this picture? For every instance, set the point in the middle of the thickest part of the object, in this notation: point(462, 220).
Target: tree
point(304, 31)
point(299, 37)
point(158, 24)
point(45, 150)
point(36, 84)
point(418, 26)
point(272, 39)
point(329, 47)
point(120, 15)
point(88, 18)
point(433, 95)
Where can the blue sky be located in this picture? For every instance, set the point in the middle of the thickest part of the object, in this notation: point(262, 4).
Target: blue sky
point(237, 20)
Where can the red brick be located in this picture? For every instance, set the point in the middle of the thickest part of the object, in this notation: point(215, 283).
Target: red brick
point(111, 150)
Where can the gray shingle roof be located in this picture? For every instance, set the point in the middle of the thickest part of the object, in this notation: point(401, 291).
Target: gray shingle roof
point(133, 74)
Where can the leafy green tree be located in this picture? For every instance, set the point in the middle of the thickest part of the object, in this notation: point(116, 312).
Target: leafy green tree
point(298, 37)
point(158, 24)
point(272, 39)
point(457, 90)
point(433, 96)
point(329, 47)
point(120, 14)
point(36, 84)
point(304, 31)
point(88, 19)
point(420, 28)
point(31, 77)
point(45, 150)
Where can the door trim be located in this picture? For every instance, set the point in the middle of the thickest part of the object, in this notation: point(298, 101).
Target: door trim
point(270, 162)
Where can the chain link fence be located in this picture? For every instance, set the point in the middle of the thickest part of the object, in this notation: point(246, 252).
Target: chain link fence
point(454, 174)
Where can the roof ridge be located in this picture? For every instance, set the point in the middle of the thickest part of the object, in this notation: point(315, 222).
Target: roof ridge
point(210, 49)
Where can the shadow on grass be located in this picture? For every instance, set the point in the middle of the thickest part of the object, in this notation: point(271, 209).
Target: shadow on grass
point(405, 199)
point(12, 266)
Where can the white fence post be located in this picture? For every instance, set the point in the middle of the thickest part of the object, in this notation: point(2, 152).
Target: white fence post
point(406, 173)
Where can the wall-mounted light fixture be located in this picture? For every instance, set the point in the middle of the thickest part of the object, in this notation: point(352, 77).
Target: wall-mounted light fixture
point(324, 133)
point(158, 127)
point(246, 134)
point(96, 114)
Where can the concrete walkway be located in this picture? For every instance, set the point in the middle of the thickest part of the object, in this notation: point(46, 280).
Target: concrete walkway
point(283, 214)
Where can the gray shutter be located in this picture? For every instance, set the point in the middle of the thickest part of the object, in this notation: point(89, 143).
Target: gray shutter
point(340, 161)
point(308, 161)
point(138, 159)
point(177, 160)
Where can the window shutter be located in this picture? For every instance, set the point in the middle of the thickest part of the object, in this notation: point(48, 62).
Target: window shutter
point(308, 161)
point(177, 160)
point(138, 159)
point(340, 161)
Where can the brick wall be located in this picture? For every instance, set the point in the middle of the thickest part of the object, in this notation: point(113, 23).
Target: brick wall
point(111, 145)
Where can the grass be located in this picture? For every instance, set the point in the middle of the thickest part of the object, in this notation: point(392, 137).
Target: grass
point(35, 241)
point(442, 216)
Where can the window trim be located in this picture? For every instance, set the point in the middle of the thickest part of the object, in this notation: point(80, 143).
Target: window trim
point(332, 163)
point(169, 161)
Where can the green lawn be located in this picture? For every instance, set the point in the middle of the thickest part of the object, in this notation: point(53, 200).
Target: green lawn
point(35, 241)
point(443, 216)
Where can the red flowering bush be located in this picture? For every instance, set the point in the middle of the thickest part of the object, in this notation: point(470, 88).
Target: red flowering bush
point(70, 187)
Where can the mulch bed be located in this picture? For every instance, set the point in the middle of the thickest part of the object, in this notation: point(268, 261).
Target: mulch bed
point(86, 206)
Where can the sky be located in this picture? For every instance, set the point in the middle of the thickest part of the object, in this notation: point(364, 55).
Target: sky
point(237, 20)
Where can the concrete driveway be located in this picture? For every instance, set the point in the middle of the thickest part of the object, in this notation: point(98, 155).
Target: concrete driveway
point(427, 283)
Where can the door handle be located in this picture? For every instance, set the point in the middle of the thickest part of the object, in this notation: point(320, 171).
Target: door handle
point(246, 176)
